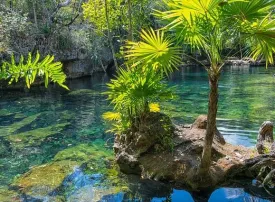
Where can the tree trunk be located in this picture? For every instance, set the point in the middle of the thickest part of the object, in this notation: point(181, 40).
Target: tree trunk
point(109, 34)
point(211, 123)
point(34, 14)
point(130, 34)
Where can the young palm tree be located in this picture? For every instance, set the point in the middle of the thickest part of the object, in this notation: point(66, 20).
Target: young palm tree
point(209, 26)
point(136, 90)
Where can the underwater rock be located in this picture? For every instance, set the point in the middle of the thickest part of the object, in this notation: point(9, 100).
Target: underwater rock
point(3, 149)
point(86, 152)
point(90, 193)
point(7, 195)
point(71, 171)
point(34, 137)
point(8, 130)
point(44, 179)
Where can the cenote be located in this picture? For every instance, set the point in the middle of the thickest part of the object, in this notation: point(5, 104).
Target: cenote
point(54, 144)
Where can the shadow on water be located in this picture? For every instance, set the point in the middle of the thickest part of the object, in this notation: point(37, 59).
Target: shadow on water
point(37, 126)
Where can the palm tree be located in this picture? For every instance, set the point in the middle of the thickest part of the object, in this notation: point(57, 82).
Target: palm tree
point(210, 26)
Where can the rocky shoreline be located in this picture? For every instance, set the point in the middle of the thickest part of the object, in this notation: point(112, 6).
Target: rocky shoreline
point(137, 153)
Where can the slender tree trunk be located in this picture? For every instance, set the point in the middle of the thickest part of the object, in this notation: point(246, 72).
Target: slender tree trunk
point(34, 13)
point(130, 34)
point(211, 123)
point(109, 34)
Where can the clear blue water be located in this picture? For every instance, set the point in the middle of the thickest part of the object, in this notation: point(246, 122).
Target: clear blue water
point(60, 121)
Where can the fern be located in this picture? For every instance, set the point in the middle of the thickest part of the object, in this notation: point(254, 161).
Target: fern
point(32, 68)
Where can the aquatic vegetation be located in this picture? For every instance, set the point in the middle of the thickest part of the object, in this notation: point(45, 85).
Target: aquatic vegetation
point(86, 152)
point(35, 137)
point(5, 112)
point(42, 180)
point(8, 130)
point(7, 195)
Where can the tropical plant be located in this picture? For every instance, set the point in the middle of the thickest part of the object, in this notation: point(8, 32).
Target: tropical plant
point(136, 90)
point(33, 68)
point(153, 51)
point(134, 93)
point(209, 26)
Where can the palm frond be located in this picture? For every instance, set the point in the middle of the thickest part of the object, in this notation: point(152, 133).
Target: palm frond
point(154, 50)
point(111, 116)
point(32, 68)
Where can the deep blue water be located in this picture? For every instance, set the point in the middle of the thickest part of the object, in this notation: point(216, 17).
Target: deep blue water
point(246, 99)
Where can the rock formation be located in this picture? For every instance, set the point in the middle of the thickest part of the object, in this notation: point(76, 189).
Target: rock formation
point(140, 151)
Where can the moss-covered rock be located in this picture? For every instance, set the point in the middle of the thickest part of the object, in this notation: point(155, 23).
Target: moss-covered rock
point(7, 195)
point(8, 130)
point(5, 112)
point(86, 152)
point(42, 180)
point(34, 137)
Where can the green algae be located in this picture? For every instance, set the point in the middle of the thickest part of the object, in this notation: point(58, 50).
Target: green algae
point(86, 152)
point(36, 136)
point(84, 92)
point(19, 116)
point(8, 130)
point(41, 180)
point(5, 112)
point(7, 195)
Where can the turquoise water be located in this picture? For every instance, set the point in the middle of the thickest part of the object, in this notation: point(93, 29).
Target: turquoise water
point(53, 144)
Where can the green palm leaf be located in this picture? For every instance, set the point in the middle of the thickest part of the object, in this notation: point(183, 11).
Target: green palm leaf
point(154, 50)
point(47, 68)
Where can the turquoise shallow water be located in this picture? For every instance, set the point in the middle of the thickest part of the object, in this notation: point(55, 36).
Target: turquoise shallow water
point(41, 130)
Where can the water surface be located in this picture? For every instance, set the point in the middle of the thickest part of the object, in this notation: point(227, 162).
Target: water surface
point(58, 138)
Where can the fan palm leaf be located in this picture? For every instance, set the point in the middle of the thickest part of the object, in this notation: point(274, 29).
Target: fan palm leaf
point(154, 50)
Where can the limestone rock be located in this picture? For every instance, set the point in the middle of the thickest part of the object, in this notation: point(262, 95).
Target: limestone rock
point(266, 132)
point(265, 137)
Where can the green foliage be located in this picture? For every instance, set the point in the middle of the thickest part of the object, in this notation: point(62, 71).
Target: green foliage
point(136, 89)
point(210, 25)
point(154, 51)
point(30, 69)
point(94, 10)
point(132, 93)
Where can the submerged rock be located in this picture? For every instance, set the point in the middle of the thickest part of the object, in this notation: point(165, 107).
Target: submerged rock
point(8, 130)
point(7, 195)
point(34, 137)
point(44, 179)
point(73, 170)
